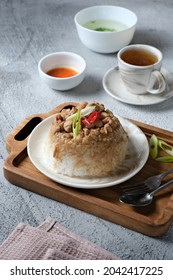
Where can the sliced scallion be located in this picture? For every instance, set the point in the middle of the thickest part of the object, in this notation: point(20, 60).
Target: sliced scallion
point(166, 147)
point(84, 112)
point(153, 143)
point(76, 125)
point(156, 144)
point(165, 159)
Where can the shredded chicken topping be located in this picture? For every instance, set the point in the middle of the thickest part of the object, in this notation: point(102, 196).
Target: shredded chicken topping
point(105, 129)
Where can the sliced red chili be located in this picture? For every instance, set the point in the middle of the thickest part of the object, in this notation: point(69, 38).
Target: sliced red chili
point(85, 121)
point(94, 116)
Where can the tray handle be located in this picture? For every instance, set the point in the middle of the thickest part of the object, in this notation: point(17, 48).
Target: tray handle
point(17, 139)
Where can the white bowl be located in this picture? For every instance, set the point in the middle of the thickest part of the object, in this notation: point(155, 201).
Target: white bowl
point(65, 60)
point(105, 42)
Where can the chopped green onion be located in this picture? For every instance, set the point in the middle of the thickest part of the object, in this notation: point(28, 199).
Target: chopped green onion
point(166, 147)
point(104, 29)
point(165, 159)
point(76, 125)
point(87, 111)
point(153, 143)
point(84, 112)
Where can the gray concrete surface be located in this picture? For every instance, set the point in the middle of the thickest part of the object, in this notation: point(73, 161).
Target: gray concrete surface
point(34, 28)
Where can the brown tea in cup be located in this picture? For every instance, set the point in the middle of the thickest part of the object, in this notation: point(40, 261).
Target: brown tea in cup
point(140, 69)
point(139, 57)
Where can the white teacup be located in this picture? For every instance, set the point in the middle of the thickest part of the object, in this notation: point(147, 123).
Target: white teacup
point(140, 66)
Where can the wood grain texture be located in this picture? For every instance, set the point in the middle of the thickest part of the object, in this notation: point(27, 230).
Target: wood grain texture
point(153, 220)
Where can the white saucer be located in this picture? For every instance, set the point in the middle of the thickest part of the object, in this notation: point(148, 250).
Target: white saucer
point(113, 85)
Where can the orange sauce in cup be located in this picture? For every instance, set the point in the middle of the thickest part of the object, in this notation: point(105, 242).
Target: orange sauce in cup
point(62, 72)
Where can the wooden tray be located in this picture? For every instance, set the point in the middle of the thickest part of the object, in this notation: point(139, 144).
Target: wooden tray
point(153, 220)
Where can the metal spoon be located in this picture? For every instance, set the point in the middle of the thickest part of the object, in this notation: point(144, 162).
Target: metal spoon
point(142, 199)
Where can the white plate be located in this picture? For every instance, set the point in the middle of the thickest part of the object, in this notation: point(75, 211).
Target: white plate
point(137, 155)
point(113, 85)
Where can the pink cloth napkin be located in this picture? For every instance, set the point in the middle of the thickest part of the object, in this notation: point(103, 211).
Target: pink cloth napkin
point(50, 241)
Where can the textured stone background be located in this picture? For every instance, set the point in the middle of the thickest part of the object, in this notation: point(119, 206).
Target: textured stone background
point(32, 29)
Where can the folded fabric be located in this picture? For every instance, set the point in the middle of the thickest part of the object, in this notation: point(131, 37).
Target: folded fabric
point(49, 241)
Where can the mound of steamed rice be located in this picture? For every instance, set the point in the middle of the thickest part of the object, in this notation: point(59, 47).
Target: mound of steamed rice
point(97, 151)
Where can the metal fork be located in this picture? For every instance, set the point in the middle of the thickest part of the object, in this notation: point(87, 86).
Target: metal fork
point(149, 184)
